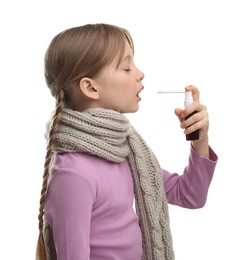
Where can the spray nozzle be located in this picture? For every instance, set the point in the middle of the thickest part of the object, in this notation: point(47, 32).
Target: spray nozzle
point(188, 98)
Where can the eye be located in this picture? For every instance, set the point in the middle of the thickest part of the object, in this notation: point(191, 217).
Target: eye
point(128, 69)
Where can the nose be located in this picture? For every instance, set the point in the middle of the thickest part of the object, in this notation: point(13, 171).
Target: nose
point(141, 75)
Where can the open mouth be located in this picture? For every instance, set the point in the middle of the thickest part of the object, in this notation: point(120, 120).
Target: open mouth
point(140, 91)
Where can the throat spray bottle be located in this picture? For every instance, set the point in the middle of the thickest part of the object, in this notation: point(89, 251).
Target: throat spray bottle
point(188, 100)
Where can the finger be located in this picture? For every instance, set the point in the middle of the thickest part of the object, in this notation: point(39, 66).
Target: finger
point(202, 126)
point(199, 120)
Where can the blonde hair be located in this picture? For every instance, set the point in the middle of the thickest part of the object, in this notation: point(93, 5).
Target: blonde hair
point(73, 54)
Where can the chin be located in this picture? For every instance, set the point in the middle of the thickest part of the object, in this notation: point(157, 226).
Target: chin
point(127, 109)
point(131, 110)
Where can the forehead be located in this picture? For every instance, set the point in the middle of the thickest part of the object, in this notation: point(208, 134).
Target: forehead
point(126, 56)
point(128, 50)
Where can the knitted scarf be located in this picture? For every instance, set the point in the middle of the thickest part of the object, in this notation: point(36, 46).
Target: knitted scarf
point(109, 134)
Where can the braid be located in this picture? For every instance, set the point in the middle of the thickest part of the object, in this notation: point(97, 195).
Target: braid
point(41, 251)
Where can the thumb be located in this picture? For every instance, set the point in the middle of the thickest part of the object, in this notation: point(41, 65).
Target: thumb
point(178, 112)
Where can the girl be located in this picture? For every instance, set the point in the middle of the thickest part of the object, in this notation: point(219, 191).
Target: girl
point(97, 163)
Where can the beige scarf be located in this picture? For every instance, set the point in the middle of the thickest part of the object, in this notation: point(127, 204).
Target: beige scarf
point(109, 134)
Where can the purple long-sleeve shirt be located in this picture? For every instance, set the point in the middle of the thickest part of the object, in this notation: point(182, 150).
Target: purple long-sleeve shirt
point(89, 204)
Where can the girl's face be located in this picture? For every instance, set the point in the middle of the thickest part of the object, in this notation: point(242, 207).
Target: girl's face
point(119, 86)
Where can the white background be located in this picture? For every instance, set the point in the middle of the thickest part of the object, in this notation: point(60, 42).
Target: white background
point(176, 43)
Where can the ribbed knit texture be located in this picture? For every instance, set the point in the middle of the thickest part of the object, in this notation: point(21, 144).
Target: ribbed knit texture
point(109, 134)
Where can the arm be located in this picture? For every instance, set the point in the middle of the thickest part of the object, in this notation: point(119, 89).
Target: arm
point(190, 189)
point(68, 210)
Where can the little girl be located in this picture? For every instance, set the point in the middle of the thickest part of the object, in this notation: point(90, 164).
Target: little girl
point(97, 163)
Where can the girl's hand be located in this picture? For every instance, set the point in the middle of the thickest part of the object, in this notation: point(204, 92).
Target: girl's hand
point(198, 121)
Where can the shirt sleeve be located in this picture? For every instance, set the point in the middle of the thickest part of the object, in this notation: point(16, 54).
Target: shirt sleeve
point(190, 189)
point(68, 210)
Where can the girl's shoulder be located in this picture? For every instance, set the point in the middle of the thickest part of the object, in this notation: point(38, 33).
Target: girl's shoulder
point(76, 159)
point(81, 163)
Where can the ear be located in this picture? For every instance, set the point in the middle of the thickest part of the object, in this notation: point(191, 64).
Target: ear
point(88, 88)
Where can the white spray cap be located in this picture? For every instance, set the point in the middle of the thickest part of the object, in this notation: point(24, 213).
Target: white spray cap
point(188, 98)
